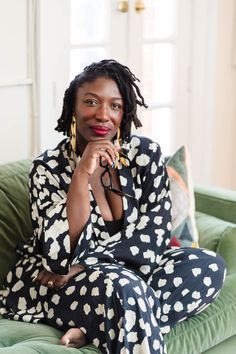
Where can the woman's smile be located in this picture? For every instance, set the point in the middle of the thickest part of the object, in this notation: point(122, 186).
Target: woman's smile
point(100, 130)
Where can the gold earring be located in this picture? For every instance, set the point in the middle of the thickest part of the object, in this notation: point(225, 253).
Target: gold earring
point(119, 159)
point(73, 134)
point(118, 138)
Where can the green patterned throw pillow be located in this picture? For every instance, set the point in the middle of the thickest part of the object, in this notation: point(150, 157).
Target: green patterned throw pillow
point(184, 231)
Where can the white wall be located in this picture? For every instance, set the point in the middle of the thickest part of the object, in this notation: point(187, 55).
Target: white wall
point(15, 82)
point(224, 129)
point(201, 87)
point(212, 93)
point(53, 67)
point(34, 72)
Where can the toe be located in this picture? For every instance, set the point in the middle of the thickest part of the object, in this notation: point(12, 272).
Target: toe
point(74, 337)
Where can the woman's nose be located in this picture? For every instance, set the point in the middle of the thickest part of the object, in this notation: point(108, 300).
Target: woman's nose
point(103, 112)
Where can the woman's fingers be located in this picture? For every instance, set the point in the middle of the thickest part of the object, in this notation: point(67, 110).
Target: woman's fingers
point(61, 280)
point(102, 148)
point(110, 152)
point(76, 268)
point(95, 151)
point(40, 276)
point(45, 278)
point(106, 157)
point(52, 280)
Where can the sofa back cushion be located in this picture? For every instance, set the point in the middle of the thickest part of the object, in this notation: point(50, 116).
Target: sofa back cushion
point(15, 224)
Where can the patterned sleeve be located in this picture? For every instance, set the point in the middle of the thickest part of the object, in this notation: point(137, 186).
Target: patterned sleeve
point(142, 242)
point(48, 196)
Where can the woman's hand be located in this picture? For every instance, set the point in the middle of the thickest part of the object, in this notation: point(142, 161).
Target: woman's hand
point(95, 150)
point(53, 280)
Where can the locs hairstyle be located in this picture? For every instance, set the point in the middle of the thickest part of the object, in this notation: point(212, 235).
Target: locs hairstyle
point(126, 82)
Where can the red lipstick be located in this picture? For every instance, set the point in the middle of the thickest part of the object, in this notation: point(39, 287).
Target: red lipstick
point(100, 130)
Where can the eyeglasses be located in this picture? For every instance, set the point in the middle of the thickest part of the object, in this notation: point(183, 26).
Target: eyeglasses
point(109, 186)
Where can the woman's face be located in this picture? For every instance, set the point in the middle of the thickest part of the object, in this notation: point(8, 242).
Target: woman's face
point(98, 110)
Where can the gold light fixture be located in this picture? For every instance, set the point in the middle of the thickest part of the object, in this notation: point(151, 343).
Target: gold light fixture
point(123, 6)
point(139, 6)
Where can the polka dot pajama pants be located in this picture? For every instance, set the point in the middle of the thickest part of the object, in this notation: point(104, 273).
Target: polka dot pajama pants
point(121, 313)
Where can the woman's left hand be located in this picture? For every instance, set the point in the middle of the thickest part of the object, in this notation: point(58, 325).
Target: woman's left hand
point(53, 280)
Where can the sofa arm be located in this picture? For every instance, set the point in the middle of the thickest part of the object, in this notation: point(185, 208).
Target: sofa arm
point(219, 236)
point(227, 249)
point(216, 201)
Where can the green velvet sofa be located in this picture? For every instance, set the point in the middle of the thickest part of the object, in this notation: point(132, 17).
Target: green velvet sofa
point(212, 332)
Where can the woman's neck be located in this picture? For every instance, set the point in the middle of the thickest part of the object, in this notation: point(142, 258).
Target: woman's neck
point(80, 145)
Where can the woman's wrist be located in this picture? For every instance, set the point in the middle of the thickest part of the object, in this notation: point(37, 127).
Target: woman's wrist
point(81, 172)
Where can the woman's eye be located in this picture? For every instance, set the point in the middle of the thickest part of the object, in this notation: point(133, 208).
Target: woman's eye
point(117, 106)
point(91, 103)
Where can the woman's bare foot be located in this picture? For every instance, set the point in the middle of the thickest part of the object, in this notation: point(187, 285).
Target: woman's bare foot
point(74, 337)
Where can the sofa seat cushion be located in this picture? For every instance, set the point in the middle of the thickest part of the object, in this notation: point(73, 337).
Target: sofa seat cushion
point(207, 329)
point(226, 347)
point(28, 338)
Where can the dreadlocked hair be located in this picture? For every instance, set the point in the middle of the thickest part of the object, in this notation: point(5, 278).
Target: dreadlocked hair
point(126, 82)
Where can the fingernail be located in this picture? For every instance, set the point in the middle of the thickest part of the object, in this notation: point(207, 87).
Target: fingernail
point(67, 342)
point(113, 165)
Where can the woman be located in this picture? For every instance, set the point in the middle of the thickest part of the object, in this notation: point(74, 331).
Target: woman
point(98, 265)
